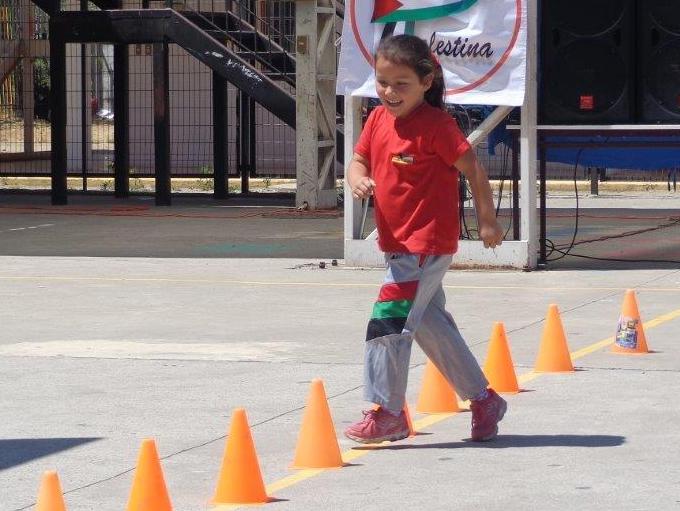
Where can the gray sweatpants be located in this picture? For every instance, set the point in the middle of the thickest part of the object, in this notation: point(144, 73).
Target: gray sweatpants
point(411, 305)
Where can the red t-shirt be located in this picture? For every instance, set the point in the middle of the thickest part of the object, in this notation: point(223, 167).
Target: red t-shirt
point(416, 194)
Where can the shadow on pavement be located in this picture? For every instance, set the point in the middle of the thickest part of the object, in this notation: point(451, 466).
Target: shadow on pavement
point(505, 441)
point(16, 451)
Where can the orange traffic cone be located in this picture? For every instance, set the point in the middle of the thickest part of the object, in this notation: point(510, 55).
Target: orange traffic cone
point(553, 354)
point(630, 336)
point(498, 368)
point(148, 487)
point(437, 395)
point(240, 479)
point(317, 445)
point(50, 496)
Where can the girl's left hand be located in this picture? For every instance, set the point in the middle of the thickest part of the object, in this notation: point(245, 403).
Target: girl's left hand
point(491, 234)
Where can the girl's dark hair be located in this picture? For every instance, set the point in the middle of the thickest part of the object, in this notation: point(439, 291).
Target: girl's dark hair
point(409, 50)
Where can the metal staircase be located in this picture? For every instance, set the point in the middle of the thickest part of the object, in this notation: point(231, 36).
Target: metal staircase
point(239, 46)
point(234, 30)
point(270, 50)
point(128, 26)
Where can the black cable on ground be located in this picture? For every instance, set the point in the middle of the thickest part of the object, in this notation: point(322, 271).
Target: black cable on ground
point(576, 218)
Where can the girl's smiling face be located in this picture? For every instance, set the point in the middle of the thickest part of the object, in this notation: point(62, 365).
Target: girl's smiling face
point(399, 87)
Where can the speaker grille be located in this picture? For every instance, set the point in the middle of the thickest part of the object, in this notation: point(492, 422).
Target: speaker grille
point(588, 69)
point(584, 18)
point(659, 61)
point(664, 77)
point(665, 15)
point(587, 62)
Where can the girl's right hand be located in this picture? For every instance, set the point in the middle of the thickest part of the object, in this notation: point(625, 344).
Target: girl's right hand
point(363, 188)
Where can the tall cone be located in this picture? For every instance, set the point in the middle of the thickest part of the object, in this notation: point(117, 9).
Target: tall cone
point(630, 336)
point(437, 395)
point(50, 497)
point(553, 354)
point(148, 487)
point(317, 445)
point(498, 368)
point(240, 479)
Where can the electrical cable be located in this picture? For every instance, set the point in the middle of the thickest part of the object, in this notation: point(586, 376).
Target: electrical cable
point(467, 232)
point(614, 259)
point(576, 219)
point(564, 252)
point(673, 221)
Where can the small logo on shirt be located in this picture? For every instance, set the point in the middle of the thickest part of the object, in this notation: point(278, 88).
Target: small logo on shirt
point(403, 159)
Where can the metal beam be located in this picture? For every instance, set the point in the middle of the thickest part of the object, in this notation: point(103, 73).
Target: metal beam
point(315, 72)
point(58, 120)
point(528, 142)
point(161, 123)
point(121, 112)
point(27, 96)
point(49, 6)
point(488, 125)
point(246, 139)
point(115, 27)
point(106, 5)
point(352, 130)
point(220, 144)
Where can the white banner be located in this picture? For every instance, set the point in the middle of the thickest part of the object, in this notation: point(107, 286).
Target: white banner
point(481, 45)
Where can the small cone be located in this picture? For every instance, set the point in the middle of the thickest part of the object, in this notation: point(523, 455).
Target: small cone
point(498, 368)
point(148, 487)
point(240, 479)
point(437, 395)
point(553, 354)
point(317, 445)
point(630, 336)
point(50, 496)
point(411, 430)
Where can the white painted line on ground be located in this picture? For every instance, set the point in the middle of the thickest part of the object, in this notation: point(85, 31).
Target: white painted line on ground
point(41, 226)
point(375, 285)
point(267, 351)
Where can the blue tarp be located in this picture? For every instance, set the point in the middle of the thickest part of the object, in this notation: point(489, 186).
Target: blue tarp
point(642, 158)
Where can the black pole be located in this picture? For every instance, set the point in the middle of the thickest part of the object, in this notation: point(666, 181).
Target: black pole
point(515, 187)
point(594, 181)
point(121, 138)
point(83, 113)
point(161, 122)
point(221, 188)
point(252, 138)
point(542, 259)
point(244, 142)
point(58, 117)
point(84, 103)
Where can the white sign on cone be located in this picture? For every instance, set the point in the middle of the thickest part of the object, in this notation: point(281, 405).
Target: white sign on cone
point(481, 45)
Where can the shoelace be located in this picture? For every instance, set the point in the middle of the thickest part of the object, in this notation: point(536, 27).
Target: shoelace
point(371, 413)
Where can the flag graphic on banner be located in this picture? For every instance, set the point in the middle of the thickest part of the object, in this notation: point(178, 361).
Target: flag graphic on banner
point(386, 11)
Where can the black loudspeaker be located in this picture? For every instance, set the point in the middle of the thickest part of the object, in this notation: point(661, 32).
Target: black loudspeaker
point(658, 61)
point(587, 62)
